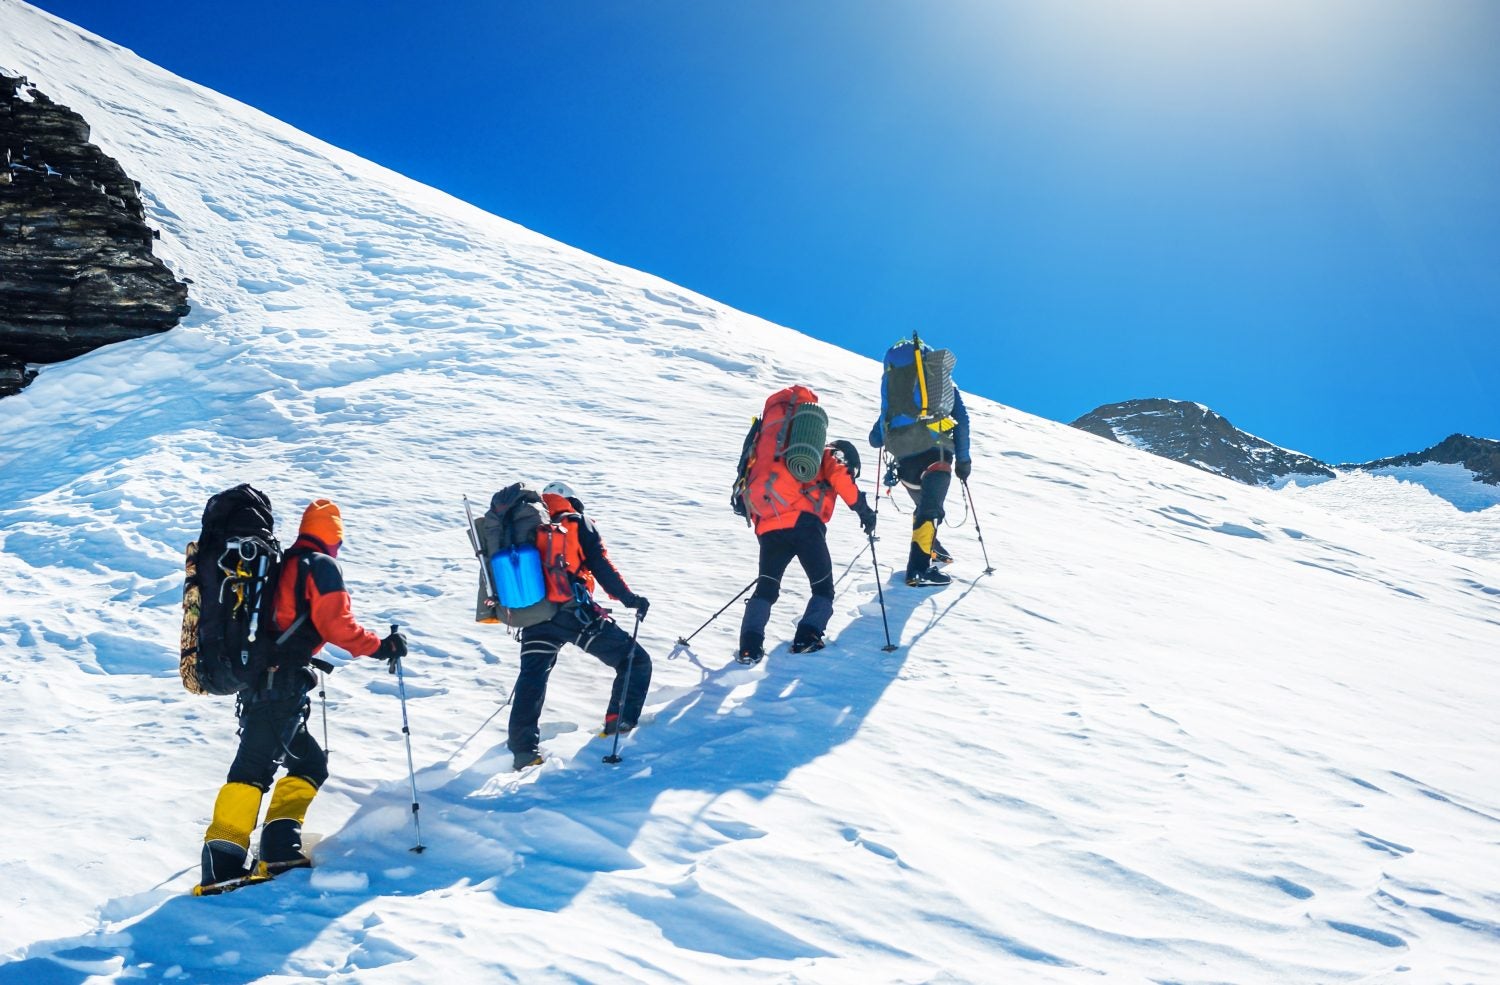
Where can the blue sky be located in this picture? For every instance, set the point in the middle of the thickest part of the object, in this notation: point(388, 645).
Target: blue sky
point(1288, 210)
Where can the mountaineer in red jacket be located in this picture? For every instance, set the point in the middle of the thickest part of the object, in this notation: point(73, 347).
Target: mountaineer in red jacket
point(312, 608)
point(798, 528)
point(577, 559)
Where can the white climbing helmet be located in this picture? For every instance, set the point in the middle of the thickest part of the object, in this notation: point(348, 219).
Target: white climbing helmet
point(559, 488)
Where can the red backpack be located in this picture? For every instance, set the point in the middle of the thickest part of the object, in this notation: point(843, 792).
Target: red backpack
point(781, 457)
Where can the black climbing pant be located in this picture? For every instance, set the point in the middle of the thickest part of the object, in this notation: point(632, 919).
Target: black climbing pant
point(807, 541)
point(273, 733)
point(600, 637)
point(926, 478)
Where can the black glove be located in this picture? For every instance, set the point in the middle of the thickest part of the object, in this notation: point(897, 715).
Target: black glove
point(392, 648)
point(866, 515)
point(637, 602)
point(962, 469)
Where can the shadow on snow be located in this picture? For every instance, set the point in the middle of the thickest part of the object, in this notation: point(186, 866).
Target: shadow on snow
point(537, 841)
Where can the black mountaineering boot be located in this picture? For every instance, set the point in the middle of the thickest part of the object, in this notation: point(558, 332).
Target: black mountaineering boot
point(752, 648)
point(940, 556)
point(222, 861)
point(931, 578)
point(281, 847)
point(807, 640)
point(750, 656)
point(612, 724)
point(918, 560)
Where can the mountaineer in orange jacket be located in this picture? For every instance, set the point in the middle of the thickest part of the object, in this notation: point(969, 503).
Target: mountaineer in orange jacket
point(572, 566)
point(312, 607)
point(800, 530)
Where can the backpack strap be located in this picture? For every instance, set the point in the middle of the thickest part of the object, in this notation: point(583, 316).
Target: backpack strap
point(825, 489)
point(303, 608)
point(786, 426)
point(921, 379)
point(554, 565)
point(780, 443)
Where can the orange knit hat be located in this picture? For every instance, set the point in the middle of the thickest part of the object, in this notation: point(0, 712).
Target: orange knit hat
point(322, 520)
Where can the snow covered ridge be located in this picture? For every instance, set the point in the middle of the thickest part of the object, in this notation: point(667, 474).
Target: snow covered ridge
point(1430, 495)
point(1478, 456)
point(1189, 731)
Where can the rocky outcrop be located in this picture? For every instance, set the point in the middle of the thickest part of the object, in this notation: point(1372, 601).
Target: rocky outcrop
point(1193, 434)
point(76, 264)
point(1479, 455)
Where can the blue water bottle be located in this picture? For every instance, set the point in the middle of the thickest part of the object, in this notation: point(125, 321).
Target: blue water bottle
point(518, 576)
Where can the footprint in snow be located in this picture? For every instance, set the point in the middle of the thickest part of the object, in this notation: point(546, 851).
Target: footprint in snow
point(1293, 889)
point(263, 286)
point(1380, 937)
point(734, 830)
point(1394, 849)
point(1238, 530)
point(853, 837)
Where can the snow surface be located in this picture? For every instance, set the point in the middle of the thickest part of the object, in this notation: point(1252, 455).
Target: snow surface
point(1422, 502)
point(1454, 483)
point(1188, 731)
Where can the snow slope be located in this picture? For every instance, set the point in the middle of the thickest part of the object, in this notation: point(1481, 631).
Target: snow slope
point(1445, 505)
point(1188, 731)
point(1449, 482)
point(1436, 504)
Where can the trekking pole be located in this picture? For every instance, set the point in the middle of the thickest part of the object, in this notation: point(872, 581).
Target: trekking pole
point(975, 514)
point(685, 642)
point(503, 705)
point(880, 591)
point(411, 768)
point(852, 561)
point(614, 755)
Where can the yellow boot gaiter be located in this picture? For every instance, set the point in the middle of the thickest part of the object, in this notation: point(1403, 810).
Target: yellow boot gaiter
point(281, 838)
point(226, 843)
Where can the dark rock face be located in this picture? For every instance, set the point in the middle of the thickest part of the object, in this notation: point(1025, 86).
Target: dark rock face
point(1479, 455)
point(1193, 434)
point(76, 267)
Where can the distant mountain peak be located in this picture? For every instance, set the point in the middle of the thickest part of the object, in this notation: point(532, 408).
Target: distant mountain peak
point(1462, 469)
point(1479, 455)
point(1193, 434)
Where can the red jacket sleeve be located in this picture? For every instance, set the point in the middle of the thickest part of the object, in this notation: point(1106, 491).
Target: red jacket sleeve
point(328, 608)
point(839, 478)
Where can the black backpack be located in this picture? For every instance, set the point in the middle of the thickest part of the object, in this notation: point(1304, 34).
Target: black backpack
point(742, 473)
point(230, 636)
